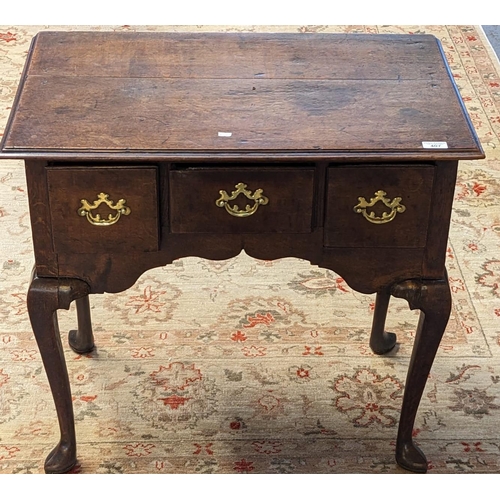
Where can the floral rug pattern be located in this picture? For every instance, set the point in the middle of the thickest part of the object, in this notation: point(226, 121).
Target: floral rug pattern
point(276, 376)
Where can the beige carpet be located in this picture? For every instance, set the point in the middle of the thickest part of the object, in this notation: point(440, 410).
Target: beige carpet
point(245, 366)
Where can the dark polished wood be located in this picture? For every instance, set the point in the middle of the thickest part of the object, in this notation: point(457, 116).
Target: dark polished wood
point(45, 297)
point(433, 298)
point(81, 340)
point(138, 186)
point(381, 341)
point(157, 132)
point(278, 95)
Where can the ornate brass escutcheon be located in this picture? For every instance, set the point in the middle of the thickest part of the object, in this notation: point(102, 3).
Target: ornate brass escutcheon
point(394, 205)
point(86, 210)
point(234, 210)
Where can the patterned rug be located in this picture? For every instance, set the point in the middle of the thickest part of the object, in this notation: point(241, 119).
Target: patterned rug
point(247, 366)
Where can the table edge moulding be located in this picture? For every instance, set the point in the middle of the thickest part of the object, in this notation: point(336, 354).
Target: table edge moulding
point(142, 148)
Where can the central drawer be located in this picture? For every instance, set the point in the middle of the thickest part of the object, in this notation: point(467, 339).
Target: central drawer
point(241, 200)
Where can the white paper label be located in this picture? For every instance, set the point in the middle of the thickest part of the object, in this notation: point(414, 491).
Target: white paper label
point(225, 134)
point(434, 145)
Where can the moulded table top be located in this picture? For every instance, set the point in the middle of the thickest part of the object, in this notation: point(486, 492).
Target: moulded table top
point(120, 95)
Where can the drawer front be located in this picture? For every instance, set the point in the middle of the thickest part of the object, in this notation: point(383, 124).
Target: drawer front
point(103, 209)
point(241, 200)
point(378, 206)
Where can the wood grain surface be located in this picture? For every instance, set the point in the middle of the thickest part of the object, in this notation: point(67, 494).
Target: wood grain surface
point(165, 93)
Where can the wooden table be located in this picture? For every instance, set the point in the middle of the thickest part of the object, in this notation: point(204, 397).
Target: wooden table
point(141, 148)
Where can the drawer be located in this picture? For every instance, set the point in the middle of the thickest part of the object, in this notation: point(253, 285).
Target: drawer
point(103, 209)
point(228, 200)
point(378, 206)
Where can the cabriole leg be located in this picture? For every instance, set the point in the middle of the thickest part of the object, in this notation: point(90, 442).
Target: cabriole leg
point(45, 297)
point(381, 341)
point(433, 298)
point(82, 339)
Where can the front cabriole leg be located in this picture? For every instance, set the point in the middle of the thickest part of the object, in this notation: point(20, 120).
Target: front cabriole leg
point(433, 298)
point(45, 297)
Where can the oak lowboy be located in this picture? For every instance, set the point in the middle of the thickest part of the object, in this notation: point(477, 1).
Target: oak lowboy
point(141, 148)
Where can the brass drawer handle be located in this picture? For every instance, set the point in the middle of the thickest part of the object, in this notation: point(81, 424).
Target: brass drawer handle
point(234, 210)
point(86, 210)
point(394, 205)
